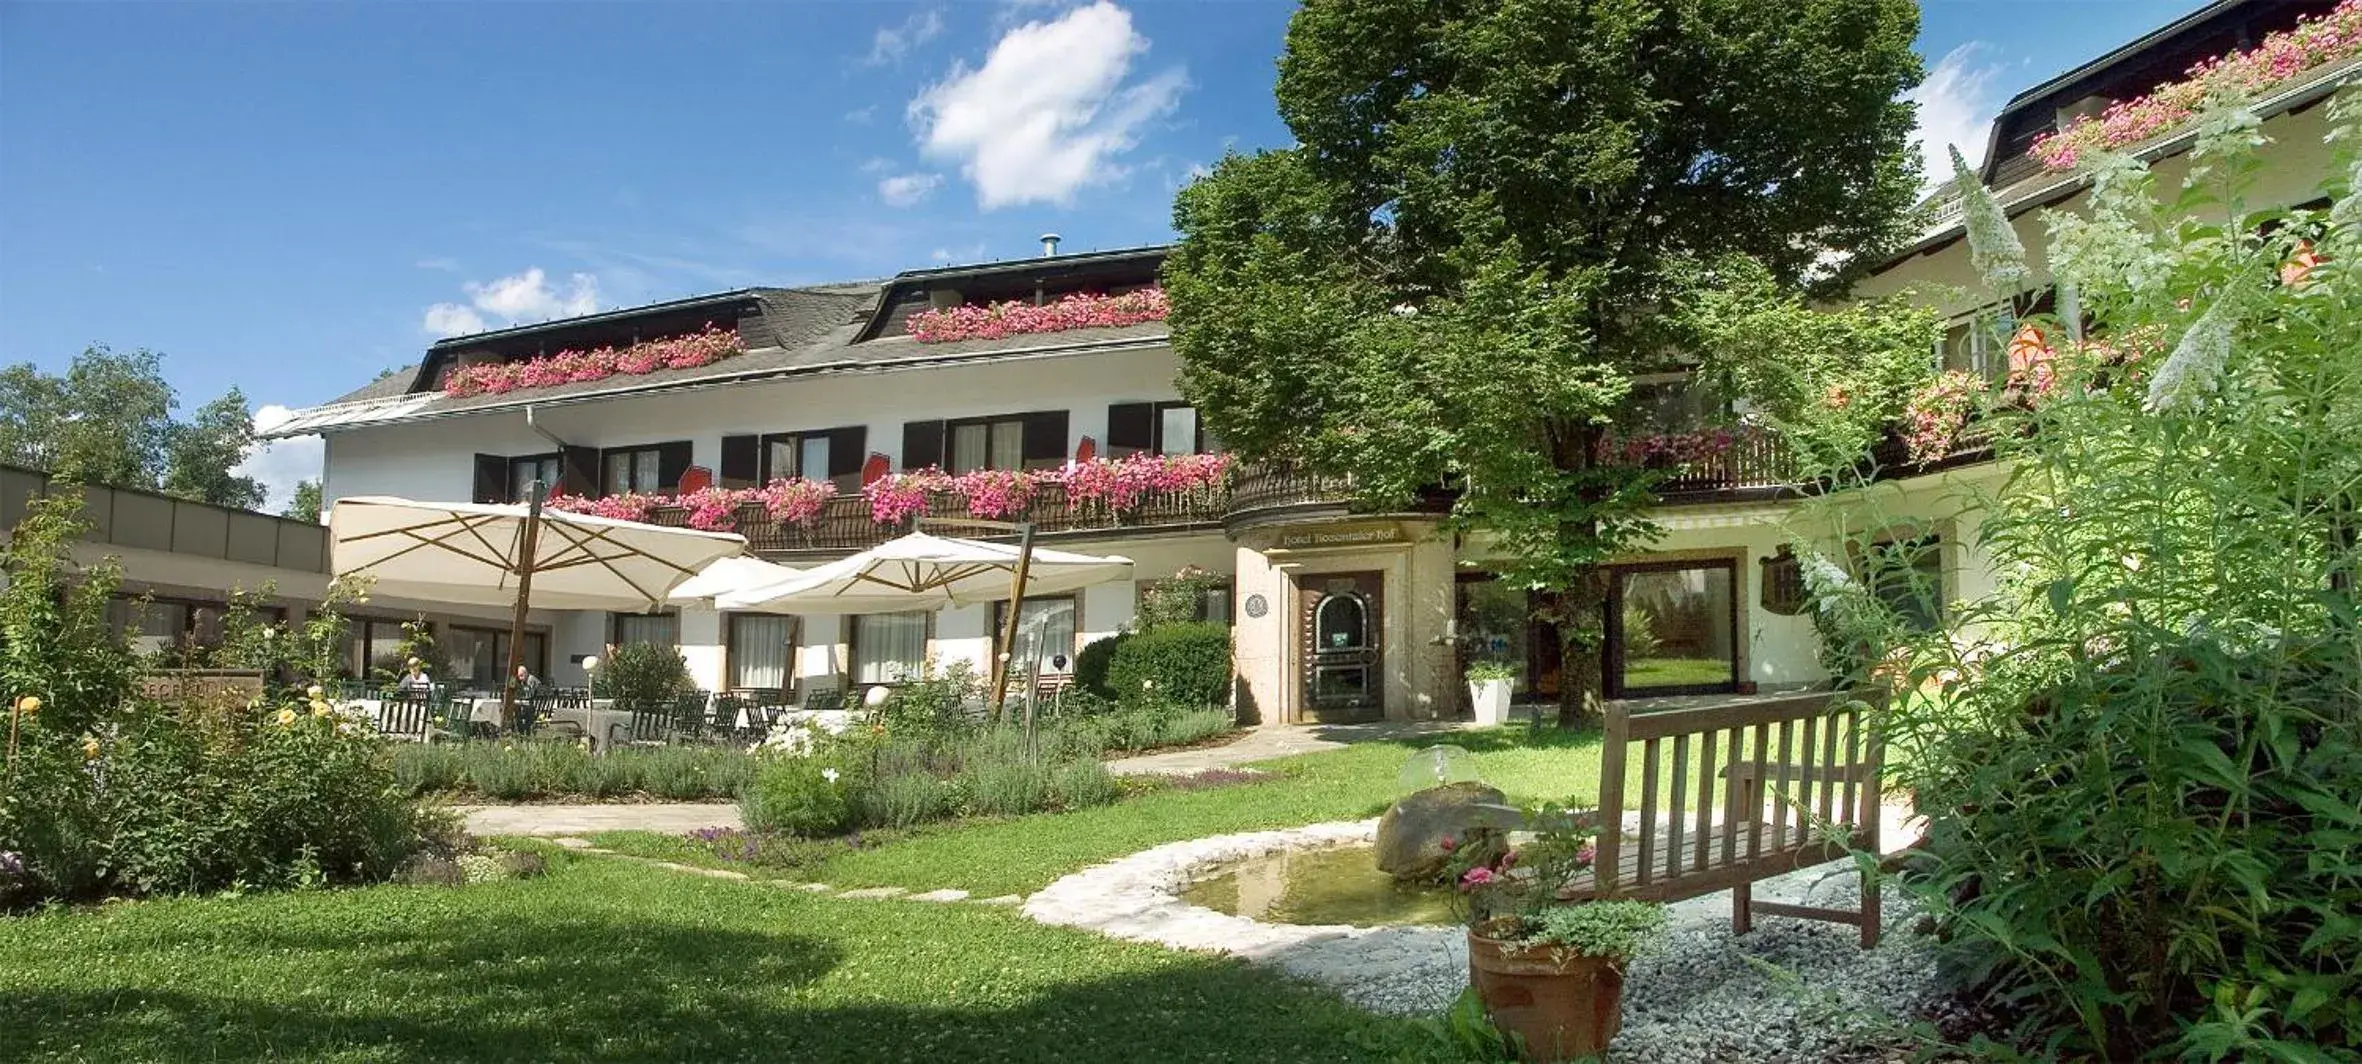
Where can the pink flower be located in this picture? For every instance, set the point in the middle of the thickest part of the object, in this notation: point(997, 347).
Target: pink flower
point(710, 345)
point(1013, 318)
point(1509, 860)
point(1476, 877)
point(1587, 854)
point(1449, 844)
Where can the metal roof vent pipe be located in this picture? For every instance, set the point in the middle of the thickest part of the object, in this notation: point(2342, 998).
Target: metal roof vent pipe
point(1049, 245)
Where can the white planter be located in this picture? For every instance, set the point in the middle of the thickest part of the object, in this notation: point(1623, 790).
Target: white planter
point(1491, 699)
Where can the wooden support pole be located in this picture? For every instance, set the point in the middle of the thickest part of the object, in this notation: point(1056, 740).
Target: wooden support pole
point(516, 627)
point(1008, 636)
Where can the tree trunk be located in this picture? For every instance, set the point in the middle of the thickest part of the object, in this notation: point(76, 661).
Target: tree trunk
point(1582, 633)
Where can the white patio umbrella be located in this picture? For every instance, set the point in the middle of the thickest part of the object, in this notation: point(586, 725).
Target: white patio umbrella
point(723, 576)
point(920, 571)
point(518, 556)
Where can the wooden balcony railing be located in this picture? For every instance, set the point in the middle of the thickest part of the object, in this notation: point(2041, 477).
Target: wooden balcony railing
point(1754, 462)
point(845, 523)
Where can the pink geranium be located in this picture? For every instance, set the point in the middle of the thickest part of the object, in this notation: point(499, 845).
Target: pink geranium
point(797, 502)
point(1017, 317)
point(704, 347)
point(2280, 58)
point(898, 497)
point(1476, 877)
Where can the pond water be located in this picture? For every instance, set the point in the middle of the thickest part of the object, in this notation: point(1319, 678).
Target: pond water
point(1334, 885)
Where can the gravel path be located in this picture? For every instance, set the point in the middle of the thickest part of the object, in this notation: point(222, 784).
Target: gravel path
point(1275, 741)
point(1792, 990)
point(678, 818)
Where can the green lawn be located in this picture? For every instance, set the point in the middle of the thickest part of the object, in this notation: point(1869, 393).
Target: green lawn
point(612, 961)
point(1024, 854)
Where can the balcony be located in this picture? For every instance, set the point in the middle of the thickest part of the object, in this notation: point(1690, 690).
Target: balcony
point(845, 525)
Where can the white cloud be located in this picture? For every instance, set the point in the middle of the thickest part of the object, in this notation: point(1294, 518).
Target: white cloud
point(894, 42)
point(279, 464)
point(515, 299)
point(968, 254)
point(1957, 104)
point(1050, 111)
point(860, 116)
point(904, 190)
point(877, 164)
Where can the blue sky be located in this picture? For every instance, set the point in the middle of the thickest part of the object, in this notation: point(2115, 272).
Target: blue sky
point(293, 197)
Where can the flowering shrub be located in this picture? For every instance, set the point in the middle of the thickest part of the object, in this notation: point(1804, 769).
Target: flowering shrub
point(2282, 56)
point(1015, 317)
point(705, 347)
point(1937, 412)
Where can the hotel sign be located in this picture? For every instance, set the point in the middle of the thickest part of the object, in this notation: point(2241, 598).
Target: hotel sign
point(1342, 536)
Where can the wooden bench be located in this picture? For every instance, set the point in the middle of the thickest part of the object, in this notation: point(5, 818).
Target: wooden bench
point(1794, 779)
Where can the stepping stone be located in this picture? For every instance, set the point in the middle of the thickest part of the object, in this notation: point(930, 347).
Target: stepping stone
point(874, 892)
point(1005, 899)
point(814, 888)
point(946, 894)
point(717, 873)
point(572, 843)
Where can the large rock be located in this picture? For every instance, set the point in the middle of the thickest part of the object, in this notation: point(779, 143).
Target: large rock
point(1411, 834)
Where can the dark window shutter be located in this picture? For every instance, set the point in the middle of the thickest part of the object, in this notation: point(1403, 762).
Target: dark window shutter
point(1045, 437)
point(1131, 428)
point(742, 458)
point(672, 460)
point(578, 471)
point(922, 444)
point(847, 448)
point(491, 478)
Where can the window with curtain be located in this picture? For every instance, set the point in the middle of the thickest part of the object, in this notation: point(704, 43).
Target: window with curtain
point(789, 455)
point(479, 656)
point(639, 470)
point(660, 629)
point(1046, 624)
point(888, 647)
point(522, 472)
point(987, 445)
point(1176, 429)
point(762, 649)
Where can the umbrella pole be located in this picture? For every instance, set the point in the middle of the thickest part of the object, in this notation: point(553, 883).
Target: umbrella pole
point(1008, 640)
point(516, 625)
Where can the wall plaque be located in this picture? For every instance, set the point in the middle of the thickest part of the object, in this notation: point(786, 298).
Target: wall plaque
point(1257, 606)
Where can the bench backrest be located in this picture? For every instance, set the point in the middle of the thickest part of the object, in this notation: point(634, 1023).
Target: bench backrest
point(1734, 793)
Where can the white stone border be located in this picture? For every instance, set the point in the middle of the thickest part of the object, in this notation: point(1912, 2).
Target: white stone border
point(1138, 898)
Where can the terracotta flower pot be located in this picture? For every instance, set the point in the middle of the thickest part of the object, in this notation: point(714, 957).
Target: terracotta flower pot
point(1561, 1005)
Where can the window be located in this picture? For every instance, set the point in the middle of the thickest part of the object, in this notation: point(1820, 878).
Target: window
point(987, 445)
point(1177, 430)
point(888, 647)
point(522, 472)
point(478, 657)
point(1045, 628)
point(1908, 575)
point(148, 627)
point(377, 649)
point(658, 629)
point(762, 651)
point(1212, 605)
point(632, 470)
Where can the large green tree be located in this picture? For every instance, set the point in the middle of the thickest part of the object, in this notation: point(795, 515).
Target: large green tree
point(108, 420)
point(1490, 217)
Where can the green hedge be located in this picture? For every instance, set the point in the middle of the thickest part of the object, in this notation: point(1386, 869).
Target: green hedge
point(1090, 664)
point(1184, 664)
point(515, 770)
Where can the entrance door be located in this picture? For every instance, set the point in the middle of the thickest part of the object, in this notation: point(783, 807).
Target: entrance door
point(1340, 637)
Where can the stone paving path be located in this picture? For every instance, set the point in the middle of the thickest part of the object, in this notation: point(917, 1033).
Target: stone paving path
point(1278, 740)
point(668, 818)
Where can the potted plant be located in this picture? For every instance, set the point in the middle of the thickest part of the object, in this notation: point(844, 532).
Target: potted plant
point(1550, 972)
point(1489, 685)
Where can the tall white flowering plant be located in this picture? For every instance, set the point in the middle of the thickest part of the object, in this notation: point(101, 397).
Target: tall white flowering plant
point(2147, 784)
